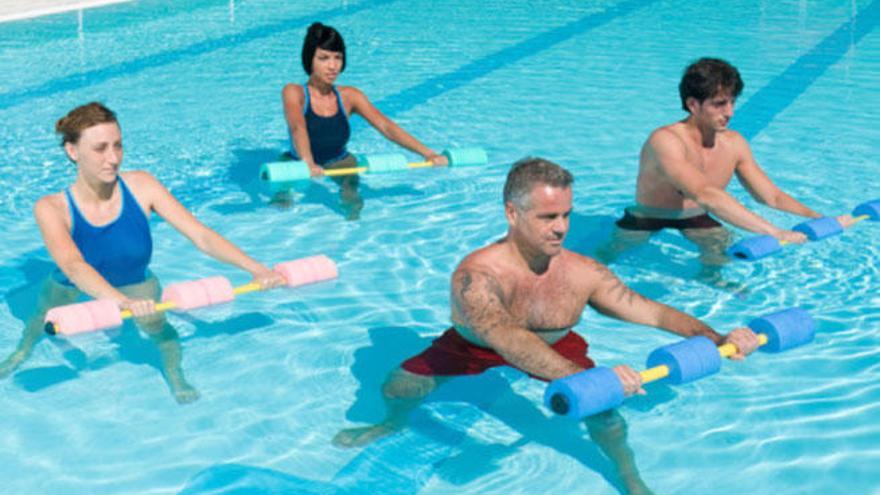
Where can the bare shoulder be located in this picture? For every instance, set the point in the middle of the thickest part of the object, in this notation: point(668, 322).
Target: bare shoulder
point(50, 206)
point(350, 92)
point(484, 265)
point(665, 137)
point(737, 150)
point(354, 99)
point(664, 146)
point(577, 261)
point(580, 268)
point(598, 282)
point(486, 260)
point(140, 179)
point(293, 93)
point(146, 188)
point(736, 141)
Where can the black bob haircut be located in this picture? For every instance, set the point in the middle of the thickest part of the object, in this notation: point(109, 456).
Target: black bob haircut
point(324, 37)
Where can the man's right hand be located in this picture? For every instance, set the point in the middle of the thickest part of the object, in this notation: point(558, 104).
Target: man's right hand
point(630, 379)
point(790, 236)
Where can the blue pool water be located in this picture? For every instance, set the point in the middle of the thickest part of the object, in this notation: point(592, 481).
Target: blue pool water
point(197, 89)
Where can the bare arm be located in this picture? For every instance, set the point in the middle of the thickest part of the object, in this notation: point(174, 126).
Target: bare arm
point(293, 98)
point(361, 105)
point(670, 153)
point(160, 200)
point(479, 300)
point(759, 185)
point(613, 298)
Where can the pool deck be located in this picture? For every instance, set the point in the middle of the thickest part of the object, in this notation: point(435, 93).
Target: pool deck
point(13, 10)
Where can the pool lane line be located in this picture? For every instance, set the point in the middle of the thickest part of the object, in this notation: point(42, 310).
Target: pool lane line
point(777, 95)
point(404, 100)
point(60, 7)
point(81, 80)
point(486, 64)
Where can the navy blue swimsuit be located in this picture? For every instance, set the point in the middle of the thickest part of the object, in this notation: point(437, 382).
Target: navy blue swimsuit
point(120, 250)
point(327, 135)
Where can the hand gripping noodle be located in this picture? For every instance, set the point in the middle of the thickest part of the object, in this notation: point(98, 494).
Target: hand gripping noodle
point(755, 248)
point(599, 389)
point(104, 313)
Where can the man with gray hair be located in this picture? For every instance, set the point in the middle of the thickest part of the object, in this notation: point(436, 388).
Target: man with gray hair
point(515, 302)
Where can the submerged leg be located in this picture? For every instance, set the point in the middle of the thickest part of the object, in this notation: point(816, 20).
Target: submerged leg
point(52, 294)
point(608, 430)
point(713, 243)
point(350, 199)
point(166, 339)
point(403, 391)
point(282, 199)
point(621, 240)
point(352, 202)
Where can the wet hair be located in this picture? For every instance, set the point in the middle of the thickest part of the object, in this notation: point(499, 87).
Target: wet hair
point(528, 172)
point(706, 78)
point(323, 37)
point(81, 118)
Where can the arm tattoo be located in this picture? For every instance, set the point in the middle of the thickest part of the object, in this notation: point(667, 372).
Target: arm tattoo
point(487, 281)
point(619, 291)
point(480, 299)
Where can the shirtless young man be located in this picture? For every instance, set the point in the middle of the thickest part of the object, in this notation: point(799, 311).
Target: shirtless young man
point(685, 167)
point(515, 303)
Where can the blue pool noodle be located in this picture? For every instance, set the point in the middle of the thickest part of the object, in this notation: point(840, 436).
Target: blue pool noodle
point(819, 228)
point(599, 389)
point(754, 248)
point(687, 360)
point(585, 394)
point(869, 208)
point(785, 329)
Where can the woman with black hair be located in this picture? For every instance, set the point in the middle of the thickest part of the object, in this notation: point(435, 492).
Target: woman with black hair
point(317, 114)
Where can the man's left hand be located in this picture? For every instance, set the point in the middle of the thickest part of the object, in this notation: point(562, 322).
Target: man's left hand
point(745, 341)
point(846, 220)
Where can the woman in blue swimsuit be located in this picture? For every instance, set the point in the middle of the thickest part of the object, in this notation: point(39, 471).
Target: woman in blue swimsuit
point(97, 232)
point(317, 114)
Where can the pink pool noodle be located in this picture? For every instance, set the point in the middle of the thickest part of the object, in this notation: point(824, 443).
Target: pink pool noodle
point(199, 293)
point(84, 317)
point(307, 270)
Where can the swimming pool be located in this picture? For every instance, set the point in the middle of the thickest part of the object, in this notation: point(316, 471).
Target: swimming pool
point(197, 89)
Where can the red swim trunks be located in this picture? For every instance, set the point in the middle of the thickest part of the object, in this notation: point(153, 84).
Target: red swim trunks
point(450, 355)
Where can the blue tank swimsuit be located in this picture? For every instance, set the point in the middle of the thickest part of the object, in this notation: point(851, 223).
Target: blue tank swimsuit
point(120, 250)
point(327, 135)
